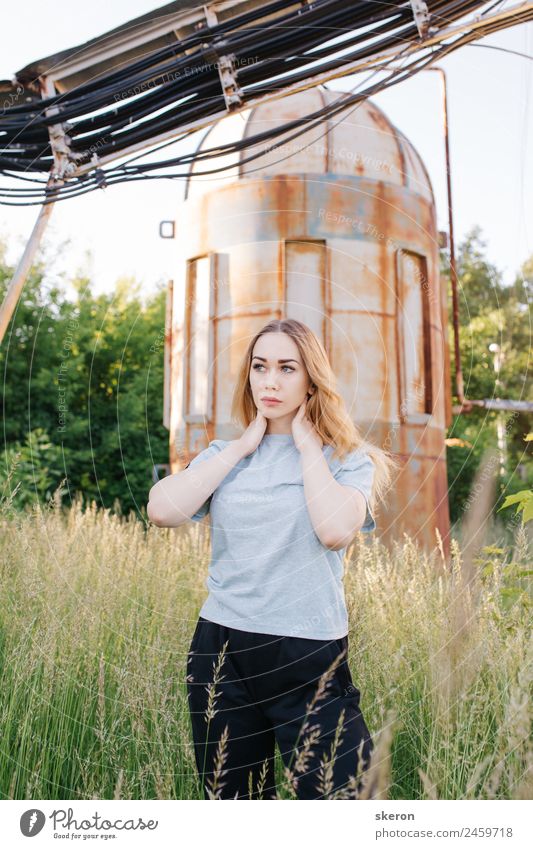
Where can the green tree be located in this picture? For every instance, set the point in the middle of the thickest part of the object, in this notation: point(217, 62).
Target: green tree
point(86, 375)
point(489, 313)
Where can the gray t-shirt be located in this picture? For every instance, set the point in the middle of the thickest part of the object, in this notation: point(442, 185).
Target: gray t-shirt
point(269, 573)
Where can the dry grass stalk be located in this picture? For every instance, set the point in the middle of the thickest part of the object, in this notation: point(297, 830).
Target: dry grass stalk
point(118, 786)
point(210, 711)
point(211, 687)
point(84, 584)
point(214, 785)
point(261, 780)
point(302, 755)
point(374, 781)
point(325, 771)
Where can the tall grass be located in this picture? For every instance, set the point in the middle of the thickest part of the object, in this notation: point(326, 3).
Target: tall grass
point(97, 612)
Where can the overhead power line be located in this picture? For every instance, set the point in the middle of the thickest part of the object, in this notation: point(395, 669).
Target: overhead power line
point(179, 88)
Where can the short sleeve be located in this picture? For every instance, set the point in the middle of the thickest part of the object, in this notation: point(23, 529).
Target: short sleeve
point(357, 470)
point(214, 447)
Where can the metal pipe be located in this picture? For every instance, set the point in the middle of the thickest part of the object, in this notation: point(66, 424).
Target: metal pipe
point(16, 284)
point(453, 268)
point(464, 405)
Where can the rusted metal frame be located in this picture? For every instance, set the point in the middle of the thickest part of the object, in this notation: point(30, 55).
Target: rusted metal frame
point(59, 138)
point(324, 280)
point(167, 381)
point(494, 404)
point(464, 405)
point(186, 393)
point(406, 417)
point(214, 340)
point(190, 296)
point(324, 266)
point(428, 336)
point(328, 302)
point(453, 266)
point(16, 284)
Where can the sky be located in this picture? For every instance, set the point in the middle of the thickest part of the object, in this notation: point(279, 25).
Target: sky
point(114, 233)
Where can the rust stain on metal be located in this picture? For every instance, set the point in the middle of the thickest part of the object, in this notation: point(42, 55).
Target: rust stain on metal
point(342, 250)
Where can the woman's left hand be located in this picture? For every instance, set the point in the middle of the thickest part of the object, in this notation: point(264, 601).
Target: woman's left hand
point(303, 430)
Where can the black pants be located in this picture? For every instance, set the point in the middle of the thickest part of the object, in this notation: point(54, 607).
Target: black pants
point(262, 694)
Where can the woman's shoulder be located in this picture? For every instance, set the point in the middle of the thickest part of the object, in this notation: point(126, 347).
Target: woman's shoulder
point(219, 444)
point(214, 447)
point(359, 450)
point(351, 459)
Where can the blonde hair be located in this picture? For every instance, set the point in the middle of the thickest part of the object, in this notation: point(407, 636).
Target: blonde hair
point(326, 409)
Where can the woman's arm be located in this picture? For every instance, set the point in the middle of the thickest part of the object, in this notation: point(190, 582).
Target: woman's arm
point(337, 512)
point(174, 499)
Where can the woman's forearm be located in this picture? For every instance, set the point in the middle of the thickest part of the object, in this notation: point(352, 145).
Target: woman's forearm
point(174, 499)
point(336, 511)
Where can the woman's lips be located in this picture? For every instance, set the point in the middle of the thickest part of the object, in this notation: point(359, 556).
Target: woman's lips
point(269, 402)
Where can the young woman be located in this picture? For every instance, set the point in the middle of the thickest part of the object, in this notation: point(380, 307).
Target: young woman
point(268, 658)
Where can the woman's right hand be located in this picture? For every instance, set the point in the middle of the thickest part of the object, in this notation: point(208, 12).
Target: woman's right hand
point(253, 435)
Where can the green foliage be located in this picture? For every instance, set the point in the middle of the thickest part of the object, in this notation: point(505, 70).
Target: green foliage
point(489, 313)
point(82, 392)
point(523, 499)
point(83, 384)
point(35, 469)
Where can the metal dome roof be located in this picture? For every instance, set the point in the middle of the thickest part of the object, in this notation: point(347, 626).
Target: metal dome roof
point(357, 142)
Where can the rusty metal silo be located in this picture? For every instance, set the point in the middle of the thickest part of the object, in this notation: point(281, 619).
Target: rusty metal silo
point(338, 229)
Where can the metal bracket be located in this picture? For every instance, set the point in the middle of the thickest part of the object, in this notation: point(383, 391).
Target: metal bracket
point(233, 94)
point(421, 16)
point(59, 140)
point(210, 16)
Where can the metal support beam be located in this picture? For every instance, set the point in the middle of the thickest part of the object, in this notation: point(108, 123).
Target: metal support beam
point(421, 16)
point(16, 283)
point(499, 404)
point(64, 166)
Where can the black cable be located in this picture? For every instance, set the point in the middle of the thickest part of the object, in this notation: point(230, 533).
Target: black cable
point(112, 176)
point(338, 107)
point(157, 102)
point(319, 115)
point(39, 155)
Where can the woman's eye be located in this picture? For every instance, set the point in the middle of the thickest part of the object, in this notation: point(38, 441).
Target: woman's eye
point(258, 365)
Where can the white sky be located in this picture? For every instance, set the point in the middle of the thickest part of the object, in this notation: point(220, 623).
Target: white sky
point(114, 232)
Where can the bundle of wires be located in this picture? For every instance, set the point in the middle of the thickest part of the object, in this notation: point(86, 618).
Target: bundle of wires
point(182, 86)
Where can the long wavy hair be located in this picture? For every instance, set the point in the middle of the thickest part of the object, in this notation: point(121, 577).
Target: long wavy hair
point(326, 409)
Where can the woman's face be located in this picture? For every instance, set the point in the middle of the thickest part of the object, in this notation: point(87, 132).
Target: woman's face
point(277, 371)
